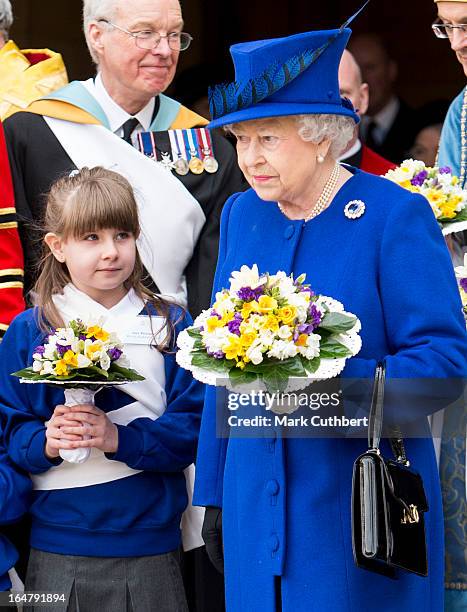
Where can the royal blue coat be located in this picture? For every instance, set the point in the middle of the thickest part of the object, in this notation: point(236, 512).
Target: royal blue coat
point(286, 503)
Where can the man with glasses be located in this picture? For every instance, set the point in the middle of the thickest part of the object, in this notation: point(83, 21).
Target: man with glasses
point(121, 119)
point(452, 26)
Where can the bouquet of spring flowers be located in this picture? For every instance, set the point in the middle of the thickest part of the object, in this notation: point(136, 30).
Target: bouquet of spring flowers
point(83, 358)
point(440, 187)
point(267, 330)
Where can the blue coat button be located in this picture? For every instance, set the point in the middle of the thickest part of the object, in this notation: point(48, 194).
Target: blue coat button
point(272, 487)
point(289, 232)
point(273, 543)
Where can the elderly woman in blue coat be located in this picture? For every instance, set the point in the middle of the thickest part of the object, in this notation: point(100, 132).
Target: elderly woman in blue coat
point(285, 503)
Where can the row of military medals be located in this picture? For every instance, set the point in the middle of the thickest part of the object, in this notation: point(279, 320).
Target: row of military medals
point(191, 151)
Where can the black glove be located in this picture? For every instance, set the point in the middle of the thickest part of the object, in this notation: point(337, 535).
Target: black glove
point(212, 536)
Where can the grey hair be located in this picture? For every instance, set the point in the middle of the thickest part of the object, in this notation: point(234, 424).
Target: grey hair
point(93, 10)
point(6, 18)
point(339, 129)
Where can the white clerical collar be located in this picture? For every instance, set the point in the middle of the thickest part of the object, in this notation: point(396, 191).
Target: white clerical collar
point(115, 113)
point(354, 149)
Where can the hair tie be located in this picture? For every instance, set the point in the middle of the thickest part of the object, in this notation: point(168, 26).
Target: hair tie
point(73, 173)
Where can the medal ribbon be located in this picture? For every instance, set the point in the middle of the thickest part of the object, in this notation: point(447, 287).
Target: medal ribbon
point(181, 144)
point(174, 145)
point(146, 145)
point(192, 145)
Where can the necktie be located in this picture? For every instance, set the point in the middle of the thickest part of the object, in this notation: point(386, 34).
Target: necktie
point(370, 136)
point(128, 127)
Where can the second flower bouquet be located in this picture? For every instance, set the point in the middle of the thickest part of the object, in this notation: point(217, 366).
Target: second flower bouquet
point(271, 331)
point(83, 358)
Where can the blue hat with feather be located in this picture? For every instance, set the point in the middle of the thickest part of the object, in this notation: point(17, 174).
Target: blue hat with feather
point(295, 75)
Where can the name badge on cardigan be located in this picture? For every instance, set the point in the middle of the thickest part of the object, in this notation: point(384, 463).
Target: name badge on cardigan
point(146, 330)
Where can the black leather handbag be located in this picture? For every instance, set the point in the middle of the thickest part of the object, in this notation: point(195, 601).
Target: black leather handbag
point(388, 502)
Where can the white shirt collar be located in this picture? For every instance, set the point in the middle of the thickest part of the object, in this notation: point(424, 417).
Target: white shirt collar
point(385, 118)
point(354, 149)
point(115, 113)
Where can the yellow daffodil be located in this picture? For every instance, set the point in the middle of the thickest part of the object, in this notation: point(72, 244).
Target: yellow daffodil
point(248, 308)
point(271, 322)
point(240, 364)
point(98, 333)
point(213, 323)
point(248, 338)
point(61, 368)
point(227, 316)
point(70, 359)
point(233, 349)
point(95, 347)
point(448, 210)
point(287, 314)
point(266, 304)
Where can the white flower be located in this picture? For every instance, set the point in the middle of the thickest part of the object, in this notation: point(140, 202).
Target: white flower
point(215, 340)
point(49, 350)
point(37, 366)
point(105, 361)
point(461, 271)
point(283, 350)
point(65, 336)
point(48, 368)
point(246, 277)
point(37, 357)
point(83, 361)
point(123, 361)
point(284, 332)
point(254, 354)
point(311, 349)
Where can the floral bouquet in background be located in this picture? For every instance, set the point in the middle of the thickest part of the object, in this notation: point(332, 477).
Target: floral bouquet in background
point(440, 187)
point(83, 358)
point(267, 330)
point(461, 274)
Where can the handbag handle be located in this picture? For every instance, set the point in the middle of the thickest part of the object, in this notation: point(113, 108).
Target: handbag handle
point(375, 425)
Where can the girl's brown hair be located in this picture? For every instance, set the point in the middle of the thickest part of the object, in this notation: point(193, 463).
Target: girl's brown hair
point(84, 202)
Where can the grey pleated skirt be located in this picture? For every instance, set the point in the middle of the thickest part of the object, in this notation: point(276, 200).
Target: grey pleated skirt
point(107, 584)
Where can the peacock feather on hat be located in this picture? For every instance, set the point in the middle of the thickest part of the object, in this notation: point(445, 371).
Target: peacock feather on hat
point(228, 98)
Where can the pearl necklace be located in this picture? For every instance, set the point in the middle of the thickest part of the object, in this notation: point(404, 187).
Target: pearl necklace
point(323, 200)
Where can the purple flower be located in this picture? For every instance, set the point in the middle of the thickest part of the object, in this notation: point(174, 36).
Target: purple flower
point(215, 314)
point(307, 290)
point(314, 317)
point(419, 178)
point(217, 354)
point(82, 336)
point(463, 284)
point(114, 353)
point(305, 328)
point(247, 294)
point(39, 350)
point(62, 349)
point(445, 170)
point(234, 325)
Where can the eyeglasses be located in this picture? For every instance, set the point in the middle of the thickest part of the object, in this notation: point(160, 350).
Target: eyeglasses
point(446, 30)
point(146, 39)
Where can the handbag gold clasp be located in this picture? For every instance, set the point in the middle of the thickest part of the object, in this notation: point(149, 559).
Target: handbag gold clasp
point(410, 517)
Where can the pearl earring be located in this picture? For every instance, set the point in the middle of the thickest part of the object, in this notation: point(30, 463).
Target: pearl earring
point(319, 159)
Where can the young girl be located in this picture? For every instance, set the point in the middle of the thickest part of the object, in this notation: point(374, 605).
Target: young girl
point(105, 533)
